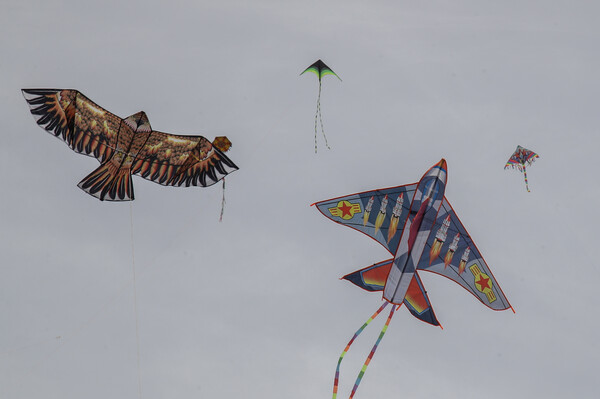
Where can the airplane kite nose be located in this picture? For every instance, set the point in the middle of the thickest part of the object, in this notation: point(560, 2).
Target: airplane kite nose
point(442, 164)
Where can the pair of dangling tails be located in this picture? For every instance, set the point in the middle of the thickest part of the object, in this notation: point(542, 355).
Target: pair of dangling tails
point(419, 228)
point(320, 69)
point(371, 354)
point(129, 146)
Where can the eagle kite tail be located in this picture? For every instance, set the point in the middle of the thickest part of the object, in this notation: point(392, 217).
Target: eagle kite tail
point(109, 182)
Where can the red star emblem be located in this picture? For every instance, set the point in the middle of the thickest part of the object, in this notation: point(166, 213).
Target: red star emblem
point(345, 208)
point(483, 282)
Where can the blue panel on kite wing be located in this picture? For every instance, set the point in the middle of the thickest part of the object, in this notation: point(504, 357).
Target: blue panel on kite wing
point(380, 214)
point(451, 252)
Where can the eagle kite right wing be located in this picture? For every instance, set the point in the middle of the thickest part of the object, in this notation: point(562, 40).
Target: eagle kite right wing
point(174, 160)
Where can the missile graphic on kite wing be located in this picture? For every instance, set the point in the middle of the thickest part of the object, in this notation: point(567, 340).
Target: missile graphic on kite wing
point(368, 210)
point(440, 238)
point(463, 260)
point(451, 250)
point(381, 215)
point(396, 213)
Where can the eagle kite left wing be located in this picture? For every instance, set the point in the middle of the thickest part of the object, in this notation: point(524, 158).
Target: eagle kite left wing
point(127, 146)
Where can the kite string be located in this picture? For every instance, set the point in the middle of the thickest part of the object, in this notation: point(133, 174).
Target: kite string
point(356, 334)
point(321, 118)
point(137, 329)
point(222, 202)
point(364, 368)
point(317, 113)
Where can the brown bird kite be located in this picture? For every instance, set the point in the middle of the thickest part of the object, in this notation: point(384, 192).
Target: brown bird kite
point(127, 146)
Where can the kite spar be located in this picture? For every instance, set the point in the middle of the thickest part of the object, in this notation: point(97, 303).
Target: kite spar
point(320, 69)
point(519, 159)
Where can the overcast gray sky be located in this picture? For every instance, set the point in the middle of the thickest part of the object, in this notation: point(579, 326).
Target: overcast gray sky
point(253, 307)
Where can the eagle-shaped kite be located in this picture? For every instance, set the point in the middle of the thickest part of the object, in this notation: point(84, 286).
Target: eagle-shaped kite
point(127, 146)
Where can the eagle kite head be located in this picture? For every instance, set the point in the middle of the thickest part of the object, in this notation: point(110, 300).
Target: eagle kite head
point(222, 143)
point(138, 122)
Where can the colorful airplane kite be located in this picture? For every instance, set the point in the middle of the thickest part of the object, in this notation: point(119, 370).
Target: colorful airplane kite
point(430, 238)
point(127, 146)
point(519, 158)
point(320, 69)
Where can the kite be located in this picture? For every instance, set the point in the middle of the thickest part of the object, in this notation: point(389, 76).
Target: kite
point(519, 158)
point(127, 146)
point(420, 229)
point(320, 69)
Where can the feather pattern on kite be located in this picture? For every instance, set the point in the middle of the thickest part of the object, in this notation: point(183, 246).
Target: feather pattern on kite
point(127, 146)
point(521, 158)
point(417, 225)
point(320, 69)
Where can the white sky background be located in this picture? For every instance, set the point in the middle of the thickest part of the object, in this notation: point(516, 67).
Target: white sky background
point(252, 307)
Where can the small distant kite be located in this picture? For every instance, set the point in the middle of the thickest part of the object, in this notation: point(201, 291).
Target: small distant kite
point(417, 225)
point(320, 69)
point(520, 158)
point(127, 146)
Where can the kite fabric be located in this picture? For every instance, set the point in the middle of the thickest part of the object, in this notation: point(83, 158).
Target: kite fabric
point(320, 69)
point(417, 225)
point(521, 158)
point(127, 146)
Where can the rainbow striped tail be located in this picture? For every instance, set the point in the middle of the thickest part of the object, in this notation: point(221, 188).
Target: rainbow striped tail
point(364, 368)
point(356, 334)
point(525, 175)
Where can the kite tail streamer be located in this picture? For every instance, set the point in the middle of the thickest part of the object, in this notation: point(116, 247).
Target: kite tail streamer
point(320, 119)
point(323, 130)
point(317, 113)
point(525, 175)
point(356, 334)
point(364, 368)
point(222, 202)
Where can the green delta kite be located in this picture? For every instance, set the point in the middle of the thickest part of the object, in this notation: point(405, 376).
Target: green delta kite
point(320, 69)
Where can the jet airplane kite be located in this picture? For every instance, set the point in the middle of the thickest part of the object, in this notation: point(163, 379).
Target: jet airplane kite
point(420, 229)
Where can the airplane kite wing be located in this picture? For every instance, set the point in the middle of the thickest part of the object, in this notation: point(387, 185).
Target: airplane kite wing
point(126, 146)
point(380, 214)
point(452, 253)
